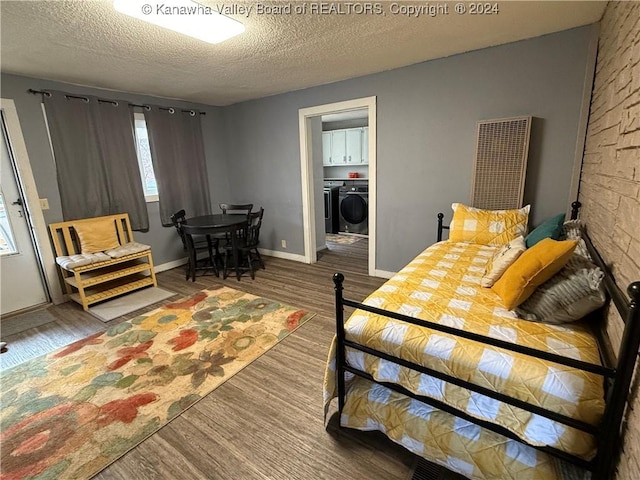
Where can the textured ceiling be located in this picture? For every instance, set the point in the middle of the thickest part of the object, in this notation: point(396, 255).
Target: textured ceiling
point(88, 43)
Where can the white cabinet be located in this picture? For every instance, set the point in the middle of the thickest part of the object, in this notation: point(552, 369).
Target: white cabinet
point(345, 147)
point(365, 145)
point(326, 148)
point(354, 146)
point(338, 147)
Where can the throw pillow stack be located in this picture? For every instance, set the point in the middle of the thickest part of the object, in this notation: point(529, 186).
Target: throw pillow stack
point(547, 276)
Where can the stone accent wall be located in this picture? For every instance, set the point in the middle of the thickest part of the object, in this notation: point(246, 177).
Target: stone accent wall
point(610, 181)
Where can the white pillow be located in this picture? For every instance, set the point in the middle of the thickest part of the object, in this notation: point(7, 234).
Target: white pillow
point(502, 259)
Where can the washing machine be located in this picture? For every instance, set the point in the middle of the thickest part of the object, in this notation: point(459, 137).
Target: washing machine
point(331, 207)
point(354, 209)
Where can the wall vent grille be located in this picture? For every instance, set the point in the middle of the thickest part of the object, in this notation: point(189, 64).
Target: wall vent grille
point(501, 163)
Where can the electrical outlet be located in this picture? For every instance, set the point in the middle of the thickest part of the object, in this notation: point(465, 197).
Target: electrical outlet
point(284, 244)
point(44, 204)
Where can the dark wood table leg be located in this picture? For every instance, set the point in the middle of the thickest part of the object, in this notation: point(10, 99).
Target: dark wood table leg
point(234, 248)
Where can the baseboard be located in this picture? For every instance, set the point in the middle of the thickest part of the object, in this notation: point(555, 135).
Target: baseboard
point(270, 253)
point(383, 274)
point(287, 256)
point(169, 265)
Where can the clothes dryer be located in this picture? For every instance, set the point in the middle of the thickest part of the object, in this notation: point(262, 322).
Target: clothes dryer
point(354, 209)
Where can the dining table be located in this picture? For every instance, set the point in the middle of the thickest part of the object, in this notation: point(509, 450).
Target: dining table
point(230, 223)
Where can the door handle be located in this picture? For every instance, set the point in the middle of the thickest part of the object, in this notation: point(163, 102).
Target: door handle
point(17, 202)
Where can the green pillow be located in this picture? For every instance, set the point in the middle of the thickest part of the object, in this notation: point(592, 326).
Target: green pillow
point(551, 228)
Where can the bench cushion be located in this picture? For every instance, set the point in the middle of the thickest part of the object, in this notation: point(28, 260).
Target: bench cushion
point(127, 249)
point(69, 262)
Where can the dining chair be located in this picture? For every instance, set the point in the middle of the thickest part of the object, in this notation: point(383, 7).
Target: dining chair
point(201, 243)
point(236, 208)
point(191, 233)
point(178, 219)
point(247, 243)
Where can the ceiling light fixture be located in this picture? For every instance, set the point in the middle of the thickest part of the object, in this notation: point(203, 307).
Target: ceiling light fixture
point(183, 16)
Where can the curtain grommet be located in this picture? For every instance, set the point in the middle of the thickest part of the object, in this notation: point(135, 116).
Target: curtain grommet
point(172, 110)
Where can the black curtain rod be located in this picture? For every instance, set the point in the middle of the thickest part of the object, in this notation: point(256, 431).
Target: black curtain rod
point(113, 102)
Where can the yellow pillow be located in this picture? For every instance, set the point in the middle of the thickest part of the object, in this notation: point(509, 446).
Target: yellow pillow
point(534, 267)
point(487, 227)
point(502, 259)
point(97, 235)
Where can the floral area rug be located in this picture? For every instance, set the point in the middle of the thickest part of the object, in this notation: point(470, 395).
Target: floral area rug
point(70, 413)
point(342, 239)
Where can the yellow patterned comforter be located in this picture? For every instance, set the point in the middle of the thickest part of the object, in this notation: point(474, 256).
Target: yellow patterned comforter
point(442, 285)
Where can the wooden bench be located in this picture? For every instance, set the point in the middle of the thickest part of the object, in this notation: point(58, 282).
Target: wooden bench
point(92, 278)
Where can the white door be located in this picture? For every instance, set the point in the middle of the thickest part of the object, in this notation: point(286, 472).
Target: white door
point(21, 282)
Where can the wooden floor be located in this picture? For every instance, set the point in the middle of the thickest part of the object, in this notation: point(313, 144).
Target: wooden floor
point(266, 422)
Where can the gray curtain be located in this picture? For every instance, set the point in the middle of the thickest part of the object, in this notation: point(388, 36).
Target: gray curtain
point(177, 150)
point(96, 161)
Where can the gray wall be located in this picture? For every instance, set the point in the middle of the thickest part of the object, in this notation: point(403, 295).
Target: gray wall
point(164, 241)
point(427, 116)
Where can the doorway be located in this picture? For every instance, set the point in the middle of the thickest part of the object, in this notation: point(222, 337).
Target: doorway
point(310, 124)
point(23, 279)
point(345, 168)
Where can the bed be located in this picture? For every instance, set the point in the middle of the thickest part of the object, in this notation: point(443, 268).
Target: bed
point(439, 364)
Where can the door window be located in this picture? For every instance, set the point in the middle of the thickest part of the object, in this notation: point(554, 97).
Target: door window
point(7, 242)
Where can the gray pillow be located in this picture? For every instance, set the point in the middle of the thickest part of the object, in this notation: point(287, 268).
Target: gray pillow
point(572, 293)
point(572, 230)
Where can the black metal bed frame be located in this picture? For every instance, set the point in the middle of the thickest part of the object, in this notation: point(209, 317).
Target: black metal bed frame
point(617, 375)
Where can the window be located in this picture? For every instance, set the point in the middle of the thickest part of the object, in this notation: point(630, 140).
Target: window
point(7, 244)
point(149, 185)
